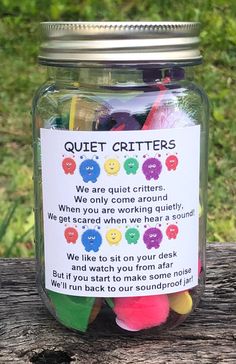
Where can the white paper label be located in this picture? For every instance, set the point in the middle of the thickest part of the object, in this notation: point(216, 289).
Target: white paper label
point(120, 211)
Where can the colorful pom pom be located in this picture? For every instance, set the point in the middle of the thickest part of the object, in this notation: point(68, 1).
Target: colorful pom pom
point(138, 313)
point(181, 302)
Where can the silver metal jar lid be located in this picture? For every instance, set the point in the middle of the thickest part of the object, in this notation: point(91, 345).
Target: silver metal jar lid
point(164, 42)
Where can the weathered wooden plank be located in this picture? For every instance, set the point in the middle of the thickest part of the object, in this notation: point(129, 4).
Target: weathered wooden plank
point(28, 333)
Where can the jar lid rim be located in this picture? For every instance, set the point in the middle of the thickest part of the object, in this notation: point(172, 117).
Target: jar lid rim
point(123, 25)
point(119, 41)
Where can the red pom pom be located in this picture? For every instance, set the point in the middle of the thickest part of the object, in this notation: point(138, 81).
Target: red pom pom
point(138, 313)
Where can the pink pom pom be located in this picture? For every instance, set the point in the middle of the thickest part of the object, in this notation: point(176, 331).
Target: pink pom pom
point(138, 313)
point(199, 266)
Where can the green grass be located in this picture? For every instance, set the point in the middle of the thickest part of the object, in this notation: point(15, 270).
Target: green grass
point(20, 76)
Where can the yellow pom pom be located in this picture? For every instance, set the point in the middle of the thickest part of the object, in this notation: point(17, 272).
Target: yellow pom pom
point(181, 302)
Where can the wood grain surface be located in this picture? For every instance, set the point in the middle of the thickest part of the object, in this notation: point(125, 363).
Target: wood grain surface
point(29, 334)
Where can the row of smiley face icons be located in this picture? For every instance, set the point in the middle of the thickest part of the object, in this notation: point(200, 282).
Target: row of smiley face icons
point(90, 169)
point(92, 239)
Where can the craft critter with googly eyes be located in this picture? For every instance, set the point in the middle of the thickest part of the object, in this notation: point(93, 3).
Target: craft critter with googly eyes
point(71, 235)
point(131, 165)
point(91, 240)
point(69, 165)
point(172, 231)
point(152, 168)
point(112, 166)
point(132, 235)
point(152, 238)
point(113, 236)
point(89, 170)
point(171, 162)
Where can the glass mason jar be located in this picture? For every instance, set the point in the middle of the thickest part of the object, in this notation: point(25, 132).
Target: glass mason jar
point(120, 172)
